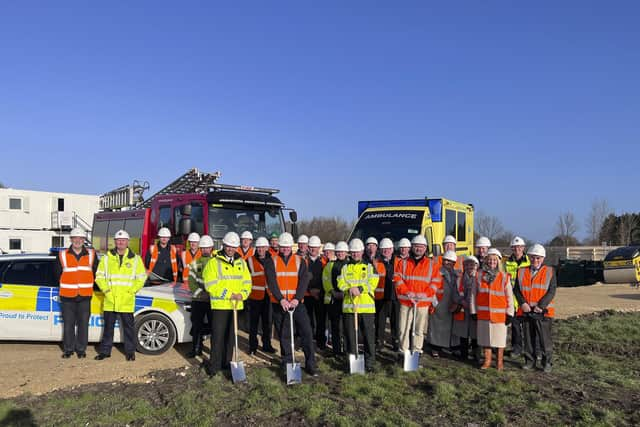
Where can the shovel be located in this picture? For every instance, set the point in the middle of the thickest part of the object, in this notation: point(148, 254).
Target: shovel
point(412, 358)
point(294, 372)
point(356, 361)
point(237, 368)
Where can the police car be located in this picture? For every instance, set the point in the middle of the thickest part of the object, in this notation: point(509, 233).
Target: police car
point(30, 307)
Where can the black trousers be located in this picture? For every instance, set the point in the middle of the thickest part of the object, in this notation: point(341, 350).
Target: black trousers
point(366, 322)
point(222, 339)
point(126, 329)
point(534, 331)
point(516, 335)
point(75, 316)
point(321, 323)
point(200, 310)
point(302, 327)
point(310, 304)
point(387, 309)
point(259, 311)
point(334, 310)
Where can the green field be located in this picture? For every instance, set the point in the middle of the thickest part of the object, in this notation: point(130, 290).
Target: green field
point(596, 381)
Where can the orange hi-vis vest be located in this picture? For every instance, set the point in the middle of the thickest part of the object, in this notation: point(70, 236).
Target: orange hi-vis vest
point(287, 276)
point(399, 269)
point(246, 255)
point(491, 298)
point(153, 250)
point(533, 288)
point(77, 274)
point(382, 275)
point(273, 252)
point(258, 279)
point(187, 259)
point(417, 279)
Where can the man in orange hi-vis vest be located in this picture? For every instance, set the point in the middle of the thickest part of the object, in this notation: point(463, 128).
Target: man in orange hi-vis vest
point(163, 262)
point(76, 269)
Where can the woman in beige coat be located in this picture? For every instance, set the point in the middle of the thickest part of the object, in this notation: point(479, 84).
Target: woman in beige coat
point(492, 306)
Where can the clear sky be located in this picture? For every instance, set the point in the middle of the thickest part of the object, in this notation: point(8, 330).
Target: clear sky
point(524, 110)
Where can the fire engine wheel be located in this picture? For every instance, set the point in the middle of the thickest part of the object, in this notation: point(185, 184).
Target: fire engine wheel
point(155, 333)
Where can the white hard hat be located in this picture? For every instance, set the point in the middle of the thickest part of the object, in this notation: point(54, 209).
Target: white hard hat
point(372, 240)
point(231, 239)
point(471, 258)
point(164, 232)
point(517, 241)
point(494, 251)
point(194, 237)
point(285, 240)
point(342, 247)
point(246, 235)
point(206, 241)
point(303, 238)
point(449, 239)
point(450, 256)
point(77, 232)
point(419, 240)
point(356, 245)
point(121, 234)
point(483, 242)
point(262, 242)
point(404, 243)
point(386, 243)
point(314, 242)
point(537, 250)
point(329, 247)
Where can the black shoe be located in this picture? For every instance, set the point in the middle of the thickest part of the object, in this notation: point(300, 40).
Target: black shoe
point(516, 353)
point(81, 355)
point(313, 372)
point(370, 369)
point(67, 354)
point(253, 352)
point(131, 357)
point(192, 354)
point(529, 365)
point(209, 371)
point(101, 356)
point(269, 349)
point(547, 368)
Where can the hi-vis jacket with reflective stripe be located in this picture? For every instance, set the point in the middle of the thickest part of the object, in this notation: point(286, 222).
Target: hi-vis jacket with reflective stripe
point(195, 278)
point(187, 259)
point(222, 279)
point(511, 266)
point(287, 277)
point(246, 255)
point(330, 275)
point(120, 280)
point(258, 279)
point(537, 288)
point(360, 275)
point(382, 276)
point(77, 274)
point(492, 299)
point(415, 277)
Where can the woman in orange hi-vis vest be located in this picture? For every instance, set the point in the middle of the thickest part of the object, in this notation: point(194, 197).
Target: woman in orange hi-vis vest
point(464, 327)
point(492, 306)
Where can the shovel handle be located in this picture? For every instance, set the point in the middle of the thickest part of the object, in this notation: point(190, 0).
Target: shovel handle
point(293, 349)
point(235, 328)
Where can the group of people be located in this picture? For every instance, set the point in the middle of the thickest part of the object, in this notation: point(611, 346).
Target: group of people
point(464, 305)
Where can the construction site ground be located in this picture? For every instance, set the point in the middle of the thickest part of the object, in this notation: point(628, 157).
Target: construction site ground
point(36, 368)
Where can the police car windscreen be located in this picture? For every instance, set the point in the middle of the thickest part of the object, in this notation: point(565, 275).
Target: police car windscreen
point(391, 224)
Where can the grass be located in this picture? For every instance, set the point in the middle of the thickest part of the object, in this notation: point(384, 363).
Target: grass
point(594, 382)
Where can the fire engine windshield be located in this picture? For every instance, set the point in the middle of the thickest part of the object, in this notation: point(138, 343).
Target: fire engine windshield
point(391, 224)
point(259, 222)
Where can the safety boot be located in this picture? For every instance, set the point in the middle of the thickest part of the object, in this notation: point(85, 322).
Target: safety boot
point(500, 360)
point(487, 358)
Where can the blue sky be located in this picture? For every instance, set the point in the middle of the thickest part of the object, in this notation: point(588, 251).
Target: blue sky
point(524, 110)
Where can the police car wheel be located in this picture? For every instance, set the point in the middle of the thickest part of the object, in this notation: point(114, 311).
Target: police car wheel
point(155, 333)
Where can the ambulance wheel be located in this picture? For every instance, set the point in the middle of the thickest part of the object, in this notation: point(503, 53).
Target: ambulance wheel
point(155, 333)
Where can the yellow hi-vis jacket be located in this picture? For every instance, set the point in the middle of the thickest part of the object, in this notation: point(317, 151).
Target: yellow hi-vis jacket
point(120, 281)
point(222, 279)
point(360, 275)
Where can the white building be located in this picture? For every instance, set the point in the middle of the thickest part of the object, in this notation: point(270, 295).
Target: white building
point(34, 221)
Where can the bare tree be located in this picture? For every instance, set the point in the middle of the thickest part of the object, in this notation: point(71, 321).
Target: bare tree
point(627, 225)
point(597, 214)
point(329, 229)
point(488, 226)
point(566, 227)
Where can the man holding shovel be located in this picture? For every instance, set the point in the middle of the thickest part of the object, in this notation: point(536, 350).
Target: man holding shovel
point(358, 280)
point(228, 281)
point(286, 292)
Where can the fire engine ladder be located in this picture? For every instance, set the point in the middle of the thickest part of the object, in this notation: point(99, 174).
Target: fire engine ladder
point(193, 181)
